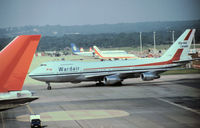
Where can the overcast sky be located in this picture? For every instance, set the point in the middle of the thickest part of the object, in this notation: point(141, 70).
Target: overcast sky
point(81, 12)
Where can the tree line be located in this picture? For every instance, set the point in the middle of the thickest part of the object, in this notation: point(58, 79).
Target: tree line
point(105, 40)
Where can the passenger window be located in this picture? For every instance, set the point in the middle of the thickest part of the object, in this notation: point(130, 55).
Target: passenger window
point(43, 65)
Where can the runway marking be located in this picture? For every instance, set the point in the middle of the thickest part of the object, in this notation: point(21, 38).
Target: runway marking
point(3, 125)
point(180, 106)
point(76, 115)
point(30, 110)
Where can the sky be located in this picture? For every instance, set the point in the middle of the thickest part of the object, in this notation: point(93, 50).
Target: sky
point(15, 13)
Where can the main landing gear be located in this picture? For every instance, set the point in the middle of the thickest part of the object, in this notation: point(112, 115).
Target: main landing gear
point(49, 86)
point(118, 84)
point(100, 83)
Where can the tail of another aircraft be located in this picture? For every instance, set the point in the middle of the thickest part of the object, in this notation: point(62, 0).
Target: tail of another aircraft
point(15, 61)
point(90, 50)
point(98, 52)
point(180, 49)
point(81, 50)
point(74, 48)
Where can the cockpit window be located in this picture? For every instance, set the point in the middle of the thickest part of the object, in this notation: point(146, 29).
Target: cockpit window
point(43, 65)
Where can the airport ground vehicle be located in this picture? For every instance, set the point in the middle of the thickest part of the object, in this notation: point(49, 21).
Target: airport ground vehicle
point(35, 121)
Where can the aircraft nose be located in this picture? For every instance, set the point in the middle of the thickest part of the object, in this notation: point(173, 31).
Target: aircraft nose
point(33, 73)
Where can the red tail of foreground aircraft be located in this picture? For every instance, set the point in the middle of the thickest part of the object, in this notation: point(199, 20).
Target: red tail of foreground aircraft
point(15, 60)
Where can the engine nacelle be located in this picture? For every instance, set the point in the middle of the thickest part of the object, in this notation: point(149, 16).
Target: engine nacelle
point(113, 79)
point(147, 76)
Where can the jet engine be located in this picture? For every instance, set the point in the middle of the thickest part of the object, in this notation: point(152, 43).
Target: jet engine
point(149, 76)
point(113, 79)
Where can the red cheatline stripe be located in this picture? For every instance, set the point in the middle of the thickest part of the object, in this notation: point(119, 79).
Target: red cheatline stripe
point(188, 35)
point(176, 57)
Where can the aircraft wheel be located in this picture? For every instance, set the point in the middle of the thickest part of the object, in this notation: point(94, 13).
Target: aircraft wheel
point(119, 84)
point(97, 84)
point(100, 84)
point(49, 88)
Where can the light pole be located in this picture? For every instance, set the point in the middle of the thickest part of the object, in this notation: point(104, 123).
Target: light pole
point(154, 41)
point(194, 41)
point(141, 42)
point(172, 36)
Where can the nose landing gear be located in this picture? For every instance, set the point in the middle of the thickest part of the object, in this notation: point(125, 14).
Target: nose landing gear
point(49, 86)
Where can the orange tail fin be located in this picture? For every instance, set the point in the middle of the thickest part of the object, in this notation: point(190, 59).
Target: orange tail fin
point(15, 61)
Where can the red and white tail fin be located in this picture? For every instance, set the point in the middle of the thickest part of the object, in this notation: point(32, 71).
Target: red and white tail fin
point(81, 50)
point(15, 61)
point(180, 49)
point(98, 52)
point(90, 50)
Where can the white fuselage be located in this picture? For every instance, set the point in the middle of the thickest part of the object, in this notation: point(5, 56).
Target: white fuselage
point(73, 71)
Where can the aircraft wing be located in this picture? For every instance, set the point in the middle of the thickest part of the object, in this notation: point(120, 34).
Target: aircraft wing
point(123, 74)
point(186, 61)
point(96, 76)
point(149, 70)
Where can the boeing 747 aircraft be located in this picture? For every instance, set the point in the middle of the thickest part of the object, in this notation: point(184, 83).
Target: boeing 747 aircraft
point(114, 72)
point(15, 61)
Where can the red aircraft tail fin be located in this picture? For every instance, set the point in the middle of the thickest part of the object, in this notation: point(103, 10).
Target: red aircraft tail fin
point(15, 61)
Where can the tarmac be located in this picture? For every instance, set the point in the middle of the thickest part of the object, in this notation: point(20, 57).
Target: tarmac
point(173, 101)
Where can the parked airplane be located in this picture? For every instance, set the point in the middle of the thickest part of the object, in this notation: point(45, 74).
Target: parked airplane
point(76, 51)
point(15, 61)
point(114, 72)
point(116, 56)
